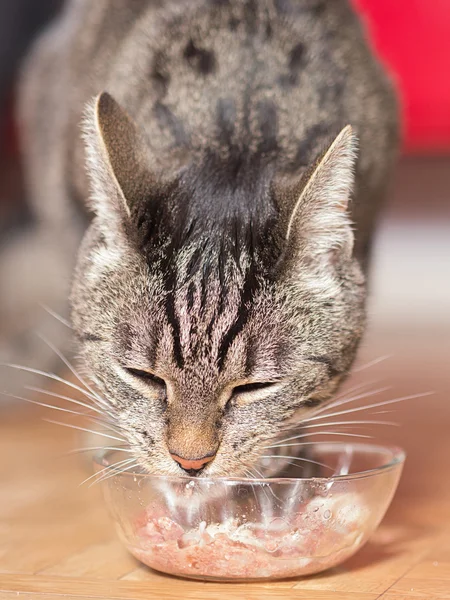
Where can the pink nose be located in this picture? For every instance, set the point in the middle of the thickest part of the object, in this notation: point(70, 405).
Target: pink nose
point(192, 465)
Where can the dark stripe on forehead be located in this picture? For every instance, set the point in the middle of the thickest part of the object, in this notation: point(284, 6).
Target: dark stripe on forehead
point(190, 296)
point(251, 284)
point(250, 359)
point(131, 337)
point(169, 284)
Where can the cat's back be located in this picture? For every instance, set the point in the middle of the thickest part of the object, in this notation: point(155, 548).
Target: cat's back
point(279, 76)
point(271, 78)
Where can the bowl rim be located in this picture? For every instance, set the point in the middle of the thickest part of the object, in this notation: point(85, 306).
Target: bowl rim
point(397, 460)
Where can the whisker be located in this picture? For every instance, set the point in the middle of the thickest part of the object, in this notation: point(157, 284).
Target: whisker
point(372, 363)
point(260, 488)
point(103, 423)
point(100, 433)
point(54, 314)
point(355, 388)
point(65, 410)
point(61, 356)
point(116, 469)
point(92, 418)
point(43, 404)
point(353, 399)
point(258, 472)
point(249, 474)
point(113, 472)
point(107, 468)
point(246, 468)
point(308, 460)
point(351, 423)
point(51, 376)
point(334, 423)
point(93, 448)
point(261, 476)
point(376, 405)
point(68, 398)
point(308, 435)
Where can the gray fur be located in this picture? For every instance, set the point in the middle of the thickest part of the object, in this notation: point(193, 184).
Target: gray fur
point(221, 250)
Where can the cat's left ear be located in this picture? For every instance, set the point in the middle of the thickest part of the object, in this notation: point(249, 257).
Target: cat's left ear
point(117, 160)
point(314, 218)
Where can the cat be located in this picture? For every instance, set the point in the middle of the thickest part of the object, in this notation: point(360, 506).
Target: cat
point(234, 158)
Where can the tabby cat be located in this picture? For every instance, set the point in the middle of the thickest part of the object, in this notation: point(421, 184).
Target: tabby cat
point(238, 152)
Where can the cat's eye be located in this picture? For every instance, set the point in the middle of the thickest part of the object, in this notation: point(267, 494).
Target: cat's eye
point(246, 388)
point(148, 377)
point(240, 392)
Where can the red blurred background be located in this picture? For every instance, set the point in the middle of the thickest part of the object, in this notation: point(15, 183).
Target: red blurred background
point(413, 39)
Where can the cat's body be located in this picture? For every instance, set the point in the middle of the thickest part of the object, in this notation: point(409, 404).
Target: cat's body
point(199, 258)
point(277, 79)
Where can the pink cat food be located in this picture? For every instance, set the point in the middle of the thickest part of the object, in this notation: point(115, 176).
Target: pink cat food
point(325, 533)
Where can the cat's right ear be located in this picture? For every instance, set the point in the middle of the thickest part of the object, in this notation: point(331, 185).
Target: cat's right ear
point(314, 218)
point(116, 161)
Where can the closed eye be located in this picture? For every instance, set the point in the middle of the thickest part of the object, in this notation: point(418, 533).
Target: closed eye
point(248, 392)
point(247, 388)
point(147, 376)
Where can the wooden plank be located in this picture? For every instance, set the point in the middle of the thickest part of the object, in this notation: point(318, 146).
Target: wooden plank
point(147, 575)
point(31, 550)
point(39, 596)
point(123, 590)
point(104, 561)
point(56, 539)
point(441, 550)
point(429, 579)
point(431, 570)
point(381, 555)
point(395, 596)
point(415, 589)
point(171, 589)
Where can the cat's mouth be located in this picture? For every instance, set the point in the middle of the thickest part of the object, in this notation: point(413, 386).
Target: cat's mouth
point(193, 466)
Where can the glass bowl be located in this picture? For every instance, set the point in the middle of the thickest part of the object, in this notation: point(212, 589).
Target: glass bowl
point(232, 529)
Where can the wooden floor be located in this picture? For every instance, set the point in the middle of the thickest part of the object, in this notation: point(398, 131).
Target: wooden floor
point(56, 540)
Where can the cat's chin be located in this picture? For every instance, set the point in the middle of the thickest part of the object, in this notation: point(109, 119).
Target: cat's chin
point(212, 472)
point(169, 470)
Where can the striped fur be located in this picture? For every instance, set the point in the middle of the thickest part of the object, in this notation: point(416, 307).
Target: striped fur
point(231, 221)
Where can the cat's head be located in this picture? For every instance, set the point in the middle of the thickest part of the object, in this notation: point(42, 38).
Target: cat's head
point(214, 309)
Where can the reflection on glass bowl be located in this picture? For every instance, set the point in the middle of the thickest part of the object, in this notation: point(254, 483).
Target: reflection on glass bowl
point(254, 529)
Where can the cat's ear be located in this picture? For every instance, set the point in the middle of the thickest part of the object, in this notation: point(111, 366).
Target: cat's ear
point(116, 160)
point(314, 218)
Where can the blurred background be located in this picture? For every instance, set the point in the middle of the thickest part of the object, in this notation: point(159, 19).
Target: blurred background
point(407, 346)
point(412, 270)
point(410, 291)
